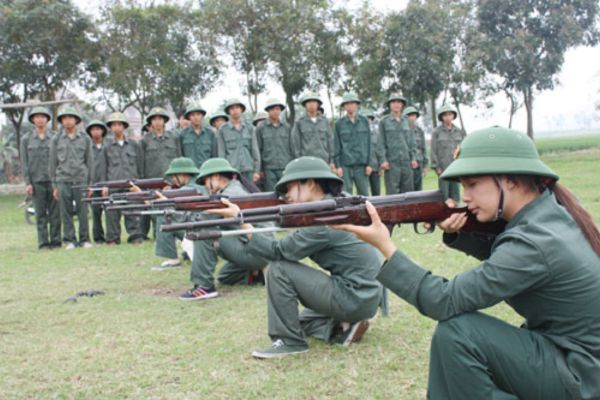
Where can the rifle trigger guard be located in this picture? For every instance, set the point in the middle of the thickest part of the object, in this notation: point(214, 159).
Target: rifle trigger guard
point(429, 230)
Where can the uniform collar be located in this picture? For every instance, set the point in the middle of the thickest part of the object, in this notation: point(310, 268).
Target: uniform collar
point(524, 212)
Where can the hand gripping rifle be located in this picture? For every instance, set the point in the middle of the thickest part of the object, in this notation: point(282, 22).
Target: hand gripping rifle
point(410, 207)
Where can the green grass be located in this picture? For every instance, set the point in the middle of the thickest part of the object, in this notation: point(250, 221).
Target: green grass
point(568, 143)
point(139, 341)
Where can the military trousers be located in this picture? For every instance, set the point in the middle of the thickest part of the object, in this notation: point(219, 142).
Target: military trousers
point(399, 178)
point(290, 283)
point(113, 227)
point(450, 190)
point(375, 183)
point(71, 204)
point(97, 228)
point(165, 245)
point(418, 178)
point(476, 356)
point(239, 262)
point(356, 175)
point(47, 215)
point(147, 222)
point(272, 176)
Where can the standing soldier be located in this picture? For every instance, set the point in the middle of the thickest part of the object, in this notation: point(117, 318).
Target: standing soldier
point(237, 142)
point(197, 142)
point(182, 122)
point(445, 140)
point(159, 147)
point(122, 159)
point(97, 132)
point(421, 147)
point(376, 158)
point(352, 138)
point(274, 145)
point(398, 148)
point(218, 119)
point(35, 158)
point(311, 135)
point(259, 117)
point(71, 165)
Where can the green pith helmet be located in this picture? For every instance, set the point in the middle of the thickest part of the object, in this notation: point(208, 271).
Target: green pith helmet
point(182, 165)
point(497, 151)
point(368, 113)
point(96, 122)
point(396, 96)
point(158, 112)
point(444, 109)
point(234, 102)
point(260, 116)
point(196, 107)
point(274, 103)
point(218, 114)
point(311, 96)
point(412, 110)
point(39, 110)
point(305, 168)
point(70, 111)
point(117, 117)
point(214, 166)
point(349, 98)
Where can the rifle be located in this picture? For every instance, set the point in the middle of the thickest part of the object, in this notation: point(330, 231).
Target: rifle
point(144, 184)
point(410, 207)
point(200, 203)
point(146, 195)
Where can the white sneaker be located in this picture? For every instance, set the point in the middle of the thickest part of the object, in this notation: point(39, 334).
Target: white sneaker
point(168, 264)
point(87, 245)
point(70, 246)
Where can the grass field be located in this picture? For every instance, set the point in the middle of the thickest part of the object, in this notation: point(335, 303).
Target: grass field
point(140, 341)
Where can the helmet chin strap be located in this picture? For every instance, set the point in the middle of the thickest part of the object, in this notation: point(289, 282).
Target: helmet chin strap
point(500, 210)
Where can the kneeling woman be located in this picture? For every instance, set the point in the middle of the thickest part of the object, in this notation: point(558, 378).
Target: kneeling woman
point(337, 306)
point(545, 265)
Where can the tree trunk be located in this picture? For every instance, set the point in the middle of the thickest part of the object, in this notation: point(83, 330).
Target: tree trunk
point(460, 118)
point(331, 106)
point(289, 99)
point(433, 112)
point(528, 100)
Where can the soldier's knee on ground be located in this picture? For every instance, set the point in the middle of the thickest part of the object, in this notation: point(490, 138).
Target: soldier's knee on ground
point(449, 333)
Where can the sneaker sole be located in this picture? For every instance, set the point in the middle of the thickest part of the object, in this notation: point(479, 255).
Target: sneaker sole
point(267, 356)
point(205, 297)
point(358, 330)
point(159, 268)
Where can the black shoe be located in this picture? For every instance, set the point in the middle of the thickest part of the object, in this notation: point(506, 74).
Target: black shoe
point(198, 293)
point(353, 334)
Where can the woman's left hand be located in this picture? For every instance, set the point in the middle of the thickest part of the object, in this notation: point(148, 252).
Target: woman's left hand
point(232, 210)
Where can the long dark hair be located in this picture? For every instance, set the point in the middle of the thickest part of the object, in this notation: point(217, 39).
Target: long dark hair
point(567, 199)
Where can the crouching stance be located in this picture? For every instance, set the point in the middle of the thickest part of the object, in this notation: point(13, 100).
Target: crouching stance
point(545, 265)
point(241, 267)
point(337, 306)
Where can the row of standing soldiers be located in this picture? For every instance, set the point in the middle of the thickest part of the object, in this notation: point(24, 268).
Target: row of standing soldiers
point(357, 149)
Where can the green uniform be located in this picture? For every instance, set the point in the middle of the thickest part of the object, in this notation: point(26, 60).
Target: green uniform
point(119, 162)
point(239, 147)
point(444, 143)
point(275, 148)
point(239, 262)
point(544, 268)
point(352, 142)
point(349, 294)
point(398, 149)
point(313, 138)
point(71, 164)
point(420, 156)
point(97, 209)
point(198, 146)
point(158, 153)
point(376, 160)
point(35, 159)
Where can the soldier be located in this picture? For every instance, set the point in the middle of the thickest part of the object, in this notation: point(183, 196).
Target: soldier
point(259, 117)
point(97, 132)
point(35, 159)
point(337, 304)
point(421, 147)
point(237, 142)
point(352, 138)
point(218, 119)
point(197, 142)
point(159, 148)
point(311, 135)
point(122, 159)
point(182, 121)
point(274, 145)
point(376, 158)
point(183, 172)
point(71, 165)
point(545, 265)
point(241, 267)
point(445, 142)
point(398, 148)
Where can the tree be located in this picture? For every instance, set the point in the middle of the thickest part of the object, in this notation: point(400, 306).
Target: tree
point(525, 41)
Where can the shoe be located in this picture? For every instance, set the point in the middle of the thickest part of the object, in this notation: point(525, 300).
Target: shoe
point(256, 278)
point(87, 245)
point(70, 246)
point(279, 349)
point(198, 293)
point(168, 264)
point(185, 256)
point(353, 334)
point(137, 242)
